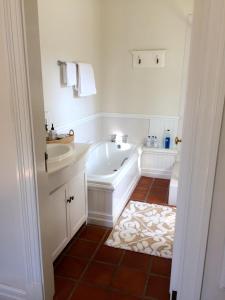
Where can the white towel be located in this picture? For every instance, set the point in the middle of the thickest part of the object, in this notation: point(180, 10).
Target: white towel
point(69, 74)
point(86, 80)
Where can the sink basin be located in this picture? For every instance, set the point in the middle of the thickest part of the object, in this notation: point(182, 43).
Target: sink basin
point(58, 152)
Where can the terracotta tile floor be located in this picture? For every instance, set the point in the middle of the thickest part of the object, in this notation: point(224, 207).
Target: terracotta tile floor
point(87, 269)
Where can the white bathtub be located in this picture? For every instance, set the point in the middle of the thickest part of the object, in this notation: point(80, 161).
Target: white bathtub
point(112, 173)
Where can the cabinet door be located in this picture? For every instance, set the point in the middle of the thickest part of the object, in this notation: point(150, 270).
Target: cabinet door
point(58, 223)
point(77, 208)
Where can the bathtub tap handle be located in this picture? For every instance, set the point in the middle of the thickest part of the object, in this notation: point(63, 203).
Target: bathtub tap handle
point(113, 138)
point(125, 138)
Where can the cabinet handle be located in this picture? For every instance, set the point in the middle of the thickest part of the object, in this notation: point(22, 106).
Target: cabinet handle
point(69, 200)
point(72, 198)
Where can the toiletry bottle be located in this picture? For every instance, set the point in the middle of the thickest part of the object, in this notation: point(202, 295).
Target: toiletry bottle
point(52, 133)
point(156, 144)
point(152, 141)
point(148, 142)
point(167, 139)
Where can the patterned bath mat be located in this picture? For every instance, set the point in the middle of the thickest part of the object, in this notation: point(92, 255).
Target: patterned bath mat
point(145, 228)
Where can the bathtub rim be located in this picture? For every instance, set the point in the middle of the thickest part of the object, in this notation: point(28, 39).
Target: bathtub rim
point(113, 180)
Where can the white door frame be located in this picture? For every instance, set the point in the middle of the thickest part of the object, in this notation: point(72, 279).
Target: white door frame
point(202, 124)
point(12, 33)
point(19, 26)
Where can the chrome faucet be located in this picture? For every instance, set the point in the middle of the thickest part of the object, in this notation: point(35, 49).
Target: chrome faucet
point(113, 138)
point(125, 138)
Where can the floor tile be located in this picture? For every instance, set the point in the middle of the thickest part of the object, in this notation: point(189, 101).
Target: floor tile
point(82, 248)
point(136, 260)
point(161, 266)
point(161, 182)
point(99, 274)
point(140, 196)
point(129, 280)
point(118, 296)
point(145, 181)
point(63, 288)
point(86, 292)
point(158, 196)
point(155, 189)
point(158, 288)
point(70, 267)
point(140, 188)
point(108, 254)
point(106, 236)
point(93, 233)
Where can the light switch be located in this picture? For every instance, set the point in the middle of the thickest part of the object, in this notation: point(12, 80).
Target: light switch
point(149, 58)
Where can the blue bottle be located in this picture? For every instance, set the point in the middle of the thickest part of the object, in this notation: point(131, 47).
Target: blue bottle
point(167, 139)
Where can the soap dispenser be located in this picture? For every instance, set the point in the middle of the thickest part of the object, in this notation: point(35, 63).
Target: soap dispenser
point(52, 133)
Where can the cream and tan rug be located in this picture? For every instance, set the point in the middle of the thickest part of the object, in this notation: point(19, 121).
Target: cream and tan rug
point(146, 228)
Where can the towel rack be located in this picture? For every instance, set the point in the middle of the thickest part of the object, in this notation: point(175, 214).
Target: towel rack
point(59, 62)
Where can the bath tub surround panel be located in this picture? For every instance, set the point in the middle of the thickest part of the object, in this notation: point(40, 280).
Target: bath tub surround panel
point(108, 195)
point(158, 163)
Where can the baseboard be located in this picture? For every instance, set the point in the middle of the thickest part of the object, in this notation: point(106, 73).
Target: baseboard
point(100, 222)
point(156, 174)
point(102, 219)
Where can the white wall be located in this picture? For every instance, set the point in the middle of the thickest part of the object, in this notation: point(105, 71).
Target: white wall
point(69, 31)
point(103, 32)
point(143, 24)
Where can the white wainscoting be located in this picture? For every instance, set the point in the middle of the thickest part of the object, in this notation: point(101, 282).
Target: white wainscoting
point(158, 163)
point(87, 130)
point(158, 125)
point(101, 125)
point(138, 127)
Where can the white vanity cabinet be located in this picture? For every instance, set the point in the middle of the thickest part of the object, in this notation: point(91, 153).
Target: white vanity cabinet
point(68, 212)
point(58, 226)
point(77, 207)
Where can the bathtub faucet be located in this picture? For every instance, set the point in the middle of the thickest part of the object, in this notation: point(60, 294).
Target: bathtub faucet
point(119, 139)
point(113, 138)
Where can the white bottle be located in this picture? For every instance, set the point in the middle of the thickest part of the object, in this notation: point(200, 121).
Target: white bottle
point(156, 144)
point(148, 142)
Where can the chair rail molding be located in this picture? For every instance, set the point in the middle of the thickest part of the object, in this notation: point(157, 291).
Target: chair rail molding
point(12, 29)
point(202, 125)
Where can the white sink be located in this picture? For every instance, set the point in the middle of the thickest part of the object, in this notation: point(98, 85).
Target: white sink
point(58, 152)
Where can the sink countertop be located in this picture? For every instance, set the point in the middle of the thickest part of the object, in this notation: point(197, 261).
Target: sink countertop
point(79, 151)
